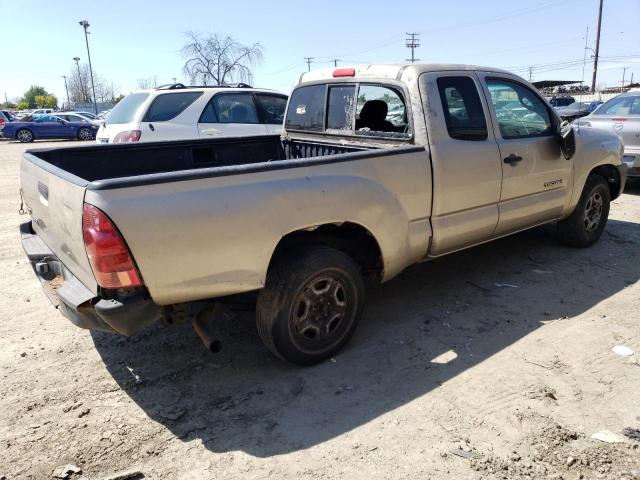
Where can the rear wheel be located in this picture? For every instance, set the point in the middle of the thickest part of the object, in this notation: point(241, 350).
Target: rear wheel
point(24, 135)
point(587, 222)
point(311, 305)
point(85, 134)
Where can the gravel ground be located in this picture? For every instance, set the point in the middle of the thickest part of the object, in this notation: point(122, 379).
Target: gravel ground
point(491, 363)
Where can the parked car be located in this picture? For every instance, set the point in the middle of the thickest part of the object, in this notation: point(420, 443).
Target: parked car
point(90, 115)
point(6, 116)
point(161, 232)
point(102, 115)
point(178, 112)
point(39, 127)
point(78, 117)
point(577, 110)
point(620, 115)
point(42, 111)
point(562, 101)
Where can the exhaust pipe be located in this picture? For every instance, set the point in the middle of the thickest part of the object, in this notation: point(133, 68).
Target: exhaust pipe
point(198, 324)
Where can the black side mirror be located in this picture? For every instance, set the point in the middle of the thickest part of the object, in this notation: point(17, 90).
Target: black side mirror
point(567, 140)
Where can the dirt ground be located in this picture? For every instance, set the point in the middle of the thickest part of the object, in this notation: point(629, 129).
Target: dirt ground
point(492, 363)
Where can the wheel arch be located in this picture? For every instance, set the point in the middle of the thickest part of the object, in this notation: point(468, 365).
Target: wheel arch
point(612, 176)
point(350, 238)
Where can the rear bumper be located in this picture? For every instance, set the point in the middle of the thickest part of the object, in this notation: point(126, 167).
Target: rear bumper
point(124, 315)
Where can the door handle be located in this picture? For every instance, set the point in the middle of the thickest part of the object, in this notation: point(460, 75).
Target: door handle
point(211, 131)
point(513, 159)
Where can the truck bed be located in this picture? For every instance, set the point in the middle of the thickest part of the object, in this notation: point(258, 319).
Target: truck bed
point(96, 163)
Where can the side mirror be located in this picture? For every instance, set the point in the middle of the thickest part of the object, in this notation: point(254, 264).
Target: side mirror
point(567, 140)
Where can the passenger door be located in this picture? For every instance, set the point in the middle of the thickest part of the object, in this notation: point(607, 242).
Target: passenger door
point(467, 173)
point(537, 180)
point(47, 126)
point(272, 109)
point(230, 115)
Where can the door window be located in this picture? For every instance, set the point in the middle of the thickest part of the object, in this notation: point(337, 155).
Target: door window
point(273, 107)
point(230, 108)
point(463, 112)
point(519, 111)
point(169, 105)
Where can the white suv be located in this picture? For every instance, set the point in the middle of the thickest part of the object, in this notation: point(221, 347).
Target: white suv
point(176, 112)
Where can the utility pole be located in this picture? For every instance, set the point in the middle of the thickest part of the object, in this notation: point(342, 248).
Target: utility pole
point(584, 60)
point(66, 89)
point(624, 72)
point(85, 24)
point(335, 62)
point(530, 74)
point(174, 80)
point(308, 60)
point(412, 42)
point(597, 52)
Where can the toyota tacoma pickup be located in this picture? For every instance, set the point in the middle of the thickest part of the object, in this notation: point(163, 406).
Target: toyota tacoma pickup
point(379, 167)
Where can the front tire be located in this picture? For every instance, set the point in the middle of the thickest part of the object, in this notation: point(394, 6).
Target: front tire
point(24, 135)
point(85, 134)
point(311, 305)
point(587, 222)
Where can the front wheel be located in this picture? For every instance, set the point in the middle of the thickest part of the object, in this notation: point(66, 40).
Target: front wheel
point(587, 222)
point(85, 134)
point(24, 135)
point(311, 305)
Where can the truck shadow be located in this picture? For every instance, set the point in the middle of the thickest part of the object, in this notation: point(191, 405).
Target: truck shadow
point(467, 306)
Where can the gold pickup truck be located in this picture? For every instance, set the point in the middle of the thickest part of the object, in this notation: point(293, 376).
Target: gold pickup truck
point(378, 167)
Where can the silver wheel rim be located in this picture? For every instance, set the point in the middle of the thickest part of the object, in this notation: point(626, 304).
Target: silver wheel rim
point(85, 134)
point(320, 308)
point(593, 211)
point(24, 136)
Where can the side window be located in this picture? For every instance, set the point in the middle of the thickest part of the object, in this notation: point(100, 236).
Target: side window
point(519, 111)
point(169, 105)
point(623, 105)
point(273, 107)
point(340, 108)
point(231, 108)
point(306, 109)
point(463, 111)
point(380, 109)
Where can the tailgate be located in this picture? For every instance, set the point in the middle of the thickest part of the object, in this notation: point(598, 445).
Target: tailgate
point(56, 209)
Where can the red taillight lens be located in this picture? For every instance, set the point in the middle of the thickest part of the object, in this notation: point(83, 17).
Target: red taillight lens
point(2, 122)
point(127, 136)
point(344, 72)
point(109, 256)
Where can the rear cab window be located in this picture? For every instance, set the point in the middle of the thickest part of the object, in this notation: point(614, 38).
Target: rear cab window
point(359, 109)
point(126, 109)
point(169, 105)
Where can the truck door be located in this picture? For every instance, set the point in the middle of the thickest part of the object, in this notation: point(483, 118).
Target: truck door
point(537, 180)
point(230, 115)
point(467, 172)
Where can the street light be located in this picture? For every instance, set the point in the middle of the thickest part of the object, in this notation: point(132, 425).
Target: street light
point(85, 24)
point(66, 88)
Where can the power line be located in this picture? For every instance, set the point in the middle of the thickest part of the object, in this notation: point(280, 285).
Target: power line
point(412, 42)
point(308, 60)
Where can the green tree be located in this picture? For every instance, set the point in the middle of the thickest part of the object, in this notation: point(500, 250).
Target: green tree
point(46, 101)
point(23, 105)
point(31, 94)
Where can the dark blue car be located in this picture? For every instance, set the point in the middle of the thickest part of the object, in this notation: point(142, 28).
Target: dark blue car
point(47, 126)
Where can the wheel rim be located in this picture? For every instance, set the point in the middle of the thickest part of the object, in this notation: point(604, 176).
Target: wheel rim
point(321, 311)
point(593, 211)
point(85, 134)
point(24, 136)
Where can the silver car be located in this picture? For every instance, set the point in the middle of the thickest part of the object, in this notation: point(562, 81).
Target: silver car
point(622, 115)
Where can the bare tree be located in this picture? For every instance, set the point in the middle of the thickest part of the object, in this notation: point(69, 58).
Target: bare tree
point(146, 83)
point(217, 59)
point(79, 84)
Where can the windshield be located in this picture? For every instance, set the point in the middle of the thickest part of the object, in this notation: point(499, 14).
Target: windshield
point(621, 105)
point(125, 110)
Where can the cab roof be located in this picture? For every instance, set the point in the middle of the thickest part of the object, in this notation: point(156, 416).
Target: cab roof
point(393, 70)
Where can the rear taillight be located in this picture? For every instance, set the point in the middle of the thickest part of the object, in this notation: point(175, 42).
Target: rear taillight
point(127, 136)
point(109, 256)
point(2, 122)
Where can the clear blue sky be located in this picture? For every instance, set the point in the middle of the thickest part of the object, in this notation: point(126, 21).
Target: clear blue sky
point(131, 40)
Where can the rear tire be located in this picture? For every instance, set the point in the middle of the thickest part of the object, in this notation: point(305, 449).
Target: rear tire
point(311, 305)
point(24, 135)
point(85, 134)
point(587, 222)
